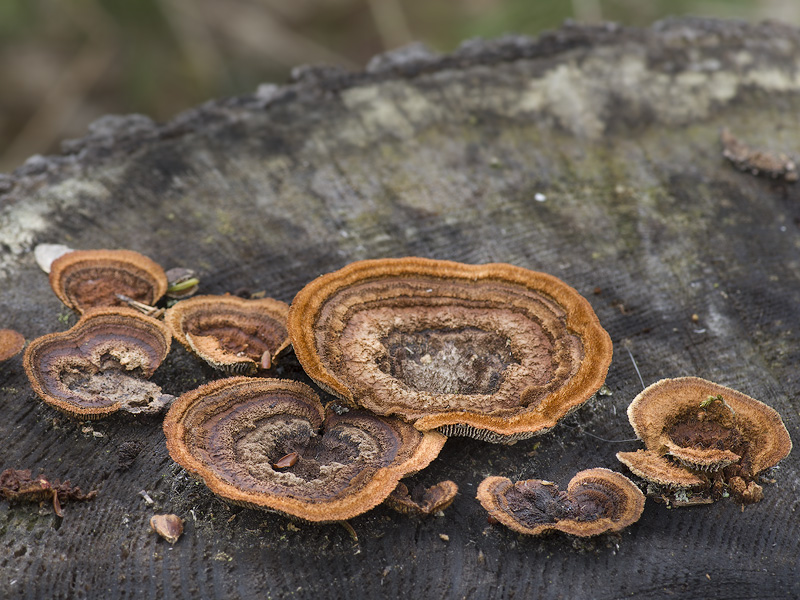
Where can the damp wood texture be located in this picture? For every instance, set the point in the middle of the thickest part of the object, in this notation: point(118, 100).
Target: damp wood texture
point(591, 153)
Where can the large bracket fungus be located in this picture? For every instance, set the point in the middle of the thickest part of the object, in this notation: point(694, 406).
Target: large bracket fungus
point(596, 501)
point(270, 444)
point(697, 432)
point(230, 333)
point(100, 365)
point(493, 351)
point(84, 279)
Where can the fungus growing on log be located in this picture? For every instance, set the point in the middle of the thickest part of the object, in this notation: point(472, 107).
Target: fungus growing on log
point(421, 500)
point(698, 431)
point(101, 365)
point(231, 334)
point(270, 444)
point(596, 501)
point(85, 279)
point(493, 351)
point(11, 343)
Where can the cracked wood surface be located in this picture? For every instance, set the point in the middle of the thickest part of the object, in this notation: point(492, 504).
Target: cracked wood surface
point(591, 153)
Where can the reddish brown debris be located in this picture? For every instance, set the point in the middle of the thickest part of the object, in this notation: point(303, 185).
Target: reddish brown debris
point(493, 351)
point(757, 162)
point(84, 279)
point(11, 343)
point(596, 501)
point(421, 500)
point(17, 485)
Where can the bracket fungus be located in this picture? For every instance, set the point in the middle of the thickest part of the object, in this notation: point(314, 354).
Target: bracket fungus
point(270, 444)
point(11, 343)
point(596, 501)
point(495, 351)
point(420, 500)
point(85, 279)
point(696, 431)
point(101, 364)
point(231, 334)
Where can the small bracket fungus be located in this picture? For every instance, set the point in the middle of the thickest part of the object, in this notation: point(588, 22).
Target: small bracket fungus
point(270, 444)
point(420, 500)
point(84, 279)
point(596, 501)
point(231, 334)
point(11, 343)
point(100, 365)
point(494, 351)
point(697, 432)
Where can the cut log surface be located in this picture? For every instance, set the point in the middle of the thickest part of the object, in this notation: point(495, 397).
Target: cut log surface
point(591, 153)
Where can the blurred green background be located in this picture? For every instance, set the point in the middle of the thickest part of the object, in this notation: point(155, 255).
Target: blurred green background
point(64, 63)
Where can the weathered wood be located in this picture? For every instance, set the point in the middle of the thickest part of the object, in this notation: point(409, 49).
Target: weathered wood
point(589, 153)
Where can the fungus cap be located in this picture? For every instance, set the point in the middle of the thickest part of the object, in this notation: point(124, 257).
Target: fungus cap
point(101, 364)
point(659, 469)
point(231, 334)
point(707, 426)
point(85, 279)
point(596, 501)
point(422, 501)
point(11, 343)
point(492, 351)
point(232, 433)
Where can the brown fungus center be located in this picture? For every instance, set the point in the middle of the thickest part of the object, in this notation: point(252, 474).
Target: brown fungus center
point(466, 360)
point(694, 431)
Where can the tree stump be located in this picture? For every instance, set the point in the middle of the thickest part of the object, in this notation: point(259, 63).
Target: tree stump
point(591, 153)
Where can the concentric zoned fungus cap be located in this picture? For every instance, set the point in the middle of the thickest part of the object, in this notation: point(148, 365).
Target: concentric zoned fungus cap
point(100, 365)
point(707, 427)
point(596, 501)
point(422, 501)
point(230, 333)
point(84, 279)
point(269, 444)
point(494, 351)
point(11, 343)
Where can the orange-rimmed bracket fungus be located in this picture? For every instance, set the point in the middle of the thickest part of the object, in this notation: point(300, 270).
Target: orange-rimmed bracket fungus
point(420, 500)
point(11, 343)
point(231, 334)
point(596, 501)
point(84, 279)
point(494, 351)
point(698, 433)
point(101, 365)
point(270, 444)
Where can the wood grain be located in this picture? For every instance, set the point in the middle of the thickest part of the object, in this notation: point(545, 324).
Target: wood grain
point(616, 130)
